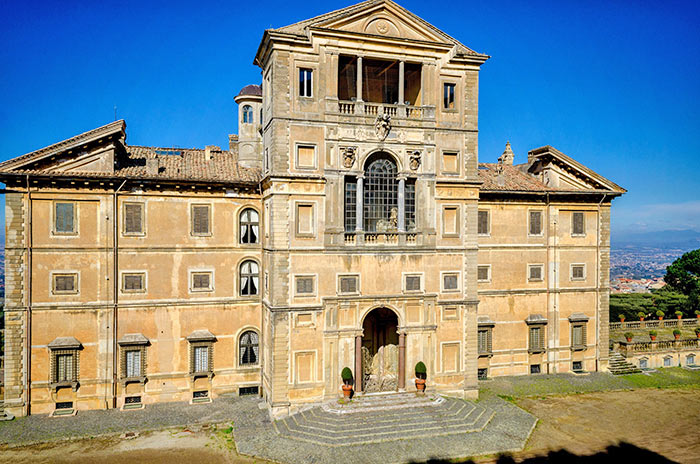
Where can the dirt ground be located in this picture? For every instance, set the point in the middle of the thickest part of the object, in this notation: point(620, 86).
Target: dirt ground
point(664, 421)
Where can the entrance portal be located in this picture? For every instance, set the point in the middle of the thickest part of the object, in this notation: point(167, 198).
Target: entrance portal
point(380, 351)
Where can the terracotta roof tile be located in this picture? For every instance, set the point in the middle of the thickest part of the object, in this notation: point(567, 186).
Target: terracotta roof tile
point(512, 179)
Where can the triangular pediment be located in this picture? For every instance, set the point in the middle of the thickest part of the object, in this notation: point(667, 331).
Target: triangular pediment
point(94, 151)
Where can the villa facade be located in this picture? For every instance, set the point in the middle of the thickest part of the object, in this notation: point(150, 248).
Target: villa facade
point(348, 223)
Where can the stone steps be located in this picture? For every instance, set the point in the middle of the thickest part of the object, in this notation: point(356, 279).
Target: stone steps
point(618, 365)
point(417, 419)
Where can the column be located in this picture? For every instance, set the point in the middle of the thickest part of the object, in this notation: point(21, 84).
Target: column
point(359, 78)
point(402, 205)
point(401, 82)
point(402, 361)
point(359, 203)
point(358, 363)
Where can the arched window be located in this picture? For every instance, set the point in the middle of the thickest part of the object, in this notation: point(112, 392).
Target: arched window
point(380, 195)
point(250, 277)
point(248, 348)
point(247, 114)
point(249, 226)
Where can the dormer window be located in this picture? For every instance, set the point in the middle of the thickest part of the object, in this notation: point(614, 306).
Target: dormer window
point(247, 114)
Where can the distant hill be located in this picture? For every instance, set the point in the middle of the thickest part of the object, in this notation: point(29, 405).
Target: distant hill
point(676, 239)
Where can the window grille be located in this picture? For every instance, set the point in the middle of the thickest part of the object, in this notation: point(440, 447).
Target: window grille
point(201, 359)
point(133, 282)
point(133, 218)
point(535, 369)
point(132, 400)
point(65, 283)
point(410, 205)
point(201, 281)
point(577, 272)
point(484, 341)
point(578, 336)
point(248, 348)
point(450, 282)
point(250, 226)
point(133, 363)
point(577, 366)
point(350, 204)
point(348, 284)
point(305, 285)
point(535, 222)
point(449, 96)
point(64, 218)
point(248, 391)
point(380, 196)
point(200, 220)
point(482, 374)
point(483, 273)
point(578, 224)
point(483, 223)
point(65, 364)
point(305, 82)
point(247, 114)
point(250, 276)
point(535, 272)
point(412, 283)
point(536, 339)
point(64, 405)
point(200, 394)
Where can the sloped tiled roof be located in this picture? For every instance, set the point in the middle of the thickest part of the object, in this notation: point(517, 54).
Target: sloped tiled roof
point(512, 179)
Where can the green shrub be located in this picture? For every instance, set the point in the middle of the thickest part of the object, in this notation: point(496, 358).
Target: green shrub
point(676, 331)
point(660, 313)
point(420, 370)
point(653, 332)
point(697, 312)
point(621, 316)
point(641, 315)
point(679, 313)
point(629, 335)
point(346, 375)
point(697, 330)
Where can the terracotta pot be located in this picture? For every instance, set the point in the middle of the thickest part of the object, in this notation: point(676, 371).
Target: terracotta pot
point(677, 337)
point(347, 389)
point(622, 319)
point(420, 385)
point(698, 316)
point(653, 337)
point(698, 335)
point(661, 318)
point(641, 318)
point(628, 340)
point(680, 317)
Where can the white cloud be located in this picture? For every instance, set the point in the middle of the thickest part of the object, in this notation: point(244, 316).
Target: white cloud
point(657, 216)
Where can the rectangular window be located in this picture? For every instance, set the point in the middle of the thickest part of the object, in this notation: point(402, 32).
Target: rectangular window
point(200, 220)
point(667, 362)
point(482, 374)
point(348, 284)
point(448, 96)
point(450, 221)
point(413, 283)
point(65, 283)
point(65, 368)
point(450, 282)
point(133, 282)
point(483, 273)
point(535, 369)
point(535, 272)
point(133, 363)
point(483, 225)
point(201, 281)
point(350, 204)
point(410, 204)
point(133, 218)
point(306, 156)
point(201, 358)
point(578, 272)
point(643, 363)
point(578, 223)
point(243, 391)
point(64, 218)
point(484, 341)
point(450, 162)
point(305, 220)
point(578, 336)
point(304, 285)
point(536, 339)
point(305, 82)
point(577, 366)
point(535, 223)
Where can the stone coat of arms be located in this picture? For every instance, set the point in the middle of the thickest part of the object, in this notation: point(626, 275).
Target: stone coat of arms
point(382, 126)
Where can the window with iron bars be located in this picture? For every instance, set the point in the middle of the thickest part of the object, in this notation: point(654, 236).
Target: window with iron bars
point(380, 195)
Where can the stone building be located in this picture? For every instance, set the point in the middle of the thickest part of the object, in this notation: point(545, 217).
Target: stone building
point(349, 223)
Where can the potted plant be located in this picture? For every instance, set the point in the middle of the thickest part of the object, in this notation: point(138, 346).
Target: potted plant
point(652, 335)
point(677, 334)
point(420, 376)
point(697, 313)
point(629, 336)
point(697, 332)
point(679, 314)
point(346, 375)
point(622, 317)
point(660, 314)
point(641, 315)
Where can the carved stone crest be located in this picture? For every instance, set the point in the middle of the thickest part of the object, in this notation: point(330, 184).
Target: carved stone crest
point(382, 126)
point(414, 160)
point(349, 155)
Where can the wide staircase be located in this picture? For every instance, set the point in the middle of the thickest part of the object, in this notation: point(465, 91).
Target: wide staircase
point(618, 365)
point(379, 418)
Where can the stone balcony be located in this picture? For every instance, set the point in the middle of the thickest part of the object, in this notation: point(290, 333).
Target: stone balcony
point(372, 110)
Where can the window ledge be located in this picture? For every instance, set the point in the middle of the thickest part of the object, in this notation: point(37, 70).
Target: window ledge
point(578, 348)
point(142, 380)
point(73, 384)
point(195, 375)
point(486, 354)
point(536, 350)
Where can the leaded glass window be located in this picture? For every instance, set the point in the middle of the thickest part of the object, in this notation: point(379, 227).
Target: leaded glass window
point(248, 348)
point(350, 204)
point(201, 358)
point(410, 204)
point(380, 196)
point(250, 226)
point(133, 363)
point(65, 367)
point(250, 276)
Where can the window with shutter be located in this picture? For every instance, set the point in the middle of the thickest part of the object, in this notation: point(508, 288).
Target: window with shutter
point(450, 281)
point(483, 273)
point(536, 339)
point(450, 162)
point(348, 284)
point(413, 283)
point(305, 285)
point(133, 282)
point(65, 283)
point(535, 273)
point(578, 336)
point(64, 218)
point(578, 272)
point(535, 222)
point(578, 226)
point(200, 220)
point(201, 281)
point(483, 223)
point(133, 218)
point(64, 368)
point(483, 338)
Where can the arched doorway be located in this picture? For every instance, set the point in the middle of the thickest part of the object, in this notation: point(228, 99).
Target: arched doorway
point(380, 351)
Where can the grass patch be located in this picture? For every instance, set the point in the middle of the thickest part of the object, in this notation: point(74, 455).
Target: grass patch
point(665, 378)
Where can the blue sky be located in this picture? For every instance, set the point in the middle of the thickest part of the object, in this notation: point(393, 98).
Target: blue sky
point(615, 84)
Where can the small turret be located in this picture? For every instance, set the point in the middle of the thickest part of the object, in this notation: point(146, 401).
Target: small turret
point(508, 156)
point(249, 101)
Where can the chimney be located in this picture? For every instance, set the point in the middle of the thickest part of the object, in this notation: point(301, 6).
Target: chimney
point(208, 150)
point(152, 166)
point(508, 156)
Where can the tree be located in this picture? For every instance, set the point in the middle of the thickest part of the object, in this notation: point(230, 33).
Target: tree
point(683, 275)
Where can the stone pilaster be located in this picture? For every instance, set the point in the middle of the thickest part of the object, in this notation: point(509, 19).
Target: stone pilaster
point(603, 316)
